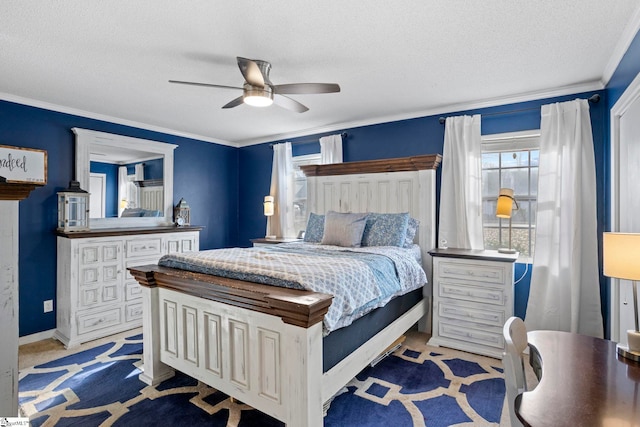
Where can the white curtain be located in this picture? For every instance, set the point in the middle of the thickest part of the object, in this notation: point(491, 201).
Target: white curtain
point(331, 149)
point(139, 172)
point(461, 187)
point(122, 189)
point(280, 224)
point(565, 289)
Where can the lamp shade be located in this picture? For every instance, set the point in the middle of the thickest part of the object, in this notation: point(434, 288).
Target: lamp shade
point(268, 205)
point(504, 205)
point(621, 255)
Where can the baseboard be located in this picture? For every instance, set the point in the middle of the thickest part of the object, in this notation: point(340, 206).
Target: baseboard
point(39, 336)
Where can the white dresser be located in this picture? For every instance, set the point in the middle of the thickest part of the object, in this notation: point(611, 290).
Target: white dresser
point(472, 299)
point(96, 295)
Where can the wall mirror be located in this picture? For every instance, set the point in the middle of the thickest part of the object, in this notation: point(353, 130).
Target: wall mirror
point(147, 200)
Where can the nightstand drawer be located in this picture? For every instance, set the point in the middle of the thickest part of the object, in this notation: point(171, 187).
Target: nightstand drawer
point(471, 314)
point(466, 334)
point(470, 271)
point(472, 293)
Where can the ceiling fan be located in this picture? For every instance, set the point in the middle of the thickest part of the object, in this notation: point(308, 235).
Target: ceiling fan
point(258, 90)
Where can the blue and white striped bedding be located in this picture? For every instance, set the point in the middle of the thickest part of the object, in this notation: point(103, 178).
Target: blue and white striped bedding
point(360, 279)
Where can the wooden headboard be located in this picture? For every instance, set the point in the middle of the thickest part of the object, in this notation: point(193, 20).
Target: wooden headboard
point(406, 184)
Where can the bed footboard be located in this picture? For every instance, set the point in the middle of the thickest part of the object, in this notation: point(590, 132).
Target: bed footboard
point(259, 344)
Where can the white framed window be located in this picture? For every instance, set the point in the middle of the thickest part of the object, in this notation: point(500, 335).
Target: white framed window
point(510, 160)
point(300, 189)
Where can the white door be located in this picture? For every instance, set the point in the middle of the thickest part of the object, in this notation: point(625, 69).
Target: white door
point(97, 188)
point(626, 202)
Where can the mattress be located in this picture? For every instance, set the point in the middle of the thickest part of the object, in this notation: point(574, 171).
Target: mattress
point(359, 279)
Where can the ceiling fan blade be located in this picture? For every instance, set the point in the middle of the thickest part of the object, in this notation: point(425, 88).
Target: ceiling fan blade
point(289, 104)
point(234, 103)
point(303, 88)
point(251, 72)
point(204, 84)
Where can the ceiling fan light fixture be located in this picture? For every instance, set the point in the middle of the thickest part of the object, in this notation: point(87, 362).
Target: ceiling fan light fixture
point(258, 91)
point(258, 97)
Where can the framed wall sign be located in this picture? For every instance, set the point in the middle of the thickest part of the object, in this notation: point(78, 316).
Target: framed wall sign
point(23, 165)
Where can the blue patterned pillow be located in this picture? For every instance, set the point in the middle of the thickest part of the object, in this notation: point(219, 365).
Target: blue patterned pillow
point(412, 229)
point(385, 229)
point(315, 228)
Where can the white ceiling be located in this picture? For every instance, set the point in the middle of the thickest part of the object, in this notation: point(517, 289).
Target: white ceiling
point(393, 59)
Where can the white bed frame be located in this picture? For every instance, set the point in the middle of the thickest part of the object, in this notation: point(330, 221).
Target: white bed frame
point(261, 346)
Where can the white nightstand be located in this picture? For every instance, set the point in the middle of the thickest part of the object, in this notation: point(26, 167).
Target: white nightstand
point(263, 241)
point(472, 299)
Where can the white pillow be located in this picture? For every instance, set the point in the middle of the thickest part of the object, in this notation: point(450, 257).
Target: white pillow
point(344, 229)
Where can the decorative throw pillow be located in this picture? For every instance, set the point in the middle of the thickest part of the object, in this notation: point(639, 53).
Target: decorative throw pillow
point(131, 212)
point(344, 229)
point(385, 229)
point(412, 229)
point(315, 228)
point(150, 213)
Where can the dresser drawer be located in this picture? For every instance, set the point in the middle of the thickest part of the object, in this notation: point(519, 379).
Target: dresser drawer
point(465, 334)
point(182, 243)
point(133, 312)
point(96, 252)
point(471, 314)
point(472, 293)
point(144, 247)
point(470, 271)
point(89, 322)
point(132, 290)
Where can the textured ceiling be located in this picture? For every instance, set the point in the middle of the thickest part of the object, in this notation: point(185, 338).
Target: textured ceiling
point(392, 59)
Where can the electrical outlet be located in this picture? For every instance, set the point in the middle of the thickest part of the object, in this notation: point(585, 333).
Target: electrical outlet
point(48, 306)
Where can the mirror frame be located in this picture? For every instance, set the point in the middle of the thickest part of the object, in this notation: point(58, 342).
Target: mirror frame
point(85, 138)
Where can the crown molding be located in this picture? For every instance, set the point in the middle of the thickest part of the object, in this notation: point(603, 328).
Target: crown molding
point(91, 115)
point(629, 33)
point(441, 110)
point(446, 109)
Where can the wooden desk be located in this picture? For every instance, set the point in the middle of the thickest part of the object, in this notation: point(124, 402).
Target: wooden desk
point(583, 383)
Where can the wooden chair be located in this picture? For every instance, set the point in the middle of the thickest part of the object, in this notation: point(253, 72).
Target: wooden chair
point(515, 336)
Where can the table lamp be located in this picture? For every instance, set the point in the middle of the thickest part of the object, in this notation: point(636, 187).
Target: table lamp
point(504, 209)
point(268, 212)
point(621, 260)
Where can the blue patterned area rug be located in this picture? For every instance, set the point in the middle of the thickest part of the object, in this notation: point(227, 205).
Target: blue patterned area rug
point(100, 387)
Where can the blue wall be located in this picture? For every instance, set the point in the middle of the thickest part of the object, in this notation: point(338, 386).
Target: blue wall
point(626, 71)
point(206, 175)
point(424, 135)
point(153, 169)
point(111, 186)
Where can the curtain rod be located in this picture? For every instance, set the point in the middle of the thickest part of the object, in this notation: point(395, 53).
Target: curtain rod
point(595, 98)
point(308, 140)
